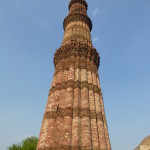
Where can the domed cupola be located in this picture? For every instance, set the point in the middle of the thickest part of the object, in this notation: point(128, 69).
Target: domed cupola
point(145, 144)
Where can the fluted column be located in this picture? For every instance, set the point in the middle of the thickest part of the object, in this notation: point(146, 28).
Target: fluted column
point(94, 125)
point(74, 117)
point(85, 108)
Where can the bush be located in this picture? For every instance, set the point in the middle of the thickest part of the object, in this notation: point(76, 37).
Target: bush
point(27, 144)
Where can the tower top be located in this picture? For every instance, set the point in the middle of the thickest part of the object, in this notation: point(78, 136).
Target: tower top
point(78, 1)
point(78, 12)
point(77, 25)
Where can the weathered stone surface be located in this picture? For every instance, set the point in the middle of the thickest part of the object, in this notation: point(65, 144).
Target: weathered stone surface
point(74, 117)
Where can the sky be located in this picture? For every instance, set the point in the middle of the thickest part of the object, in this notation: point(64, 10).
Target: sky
point(30, 33)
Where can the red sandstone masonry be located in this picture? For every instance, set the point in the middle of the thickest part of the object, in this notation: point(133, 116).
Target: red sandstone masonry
point(94, 128)
point(74, 117)
point(105, 123)
point(101, 132)
point(85, 122)
point(67, 130)
point(76, 129)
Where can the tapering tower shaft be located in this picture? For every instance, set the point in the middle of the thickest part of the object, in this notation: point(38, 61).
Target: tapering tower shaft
point(74, 117)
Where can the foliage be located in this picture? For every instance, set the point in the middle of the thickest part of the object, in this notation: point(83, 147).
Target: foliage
point(15, 147)
point(27, 144)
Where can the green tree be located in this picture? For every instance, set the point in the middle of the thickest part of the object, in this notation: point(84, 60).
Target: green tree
point(27, 144)
point(15, 147)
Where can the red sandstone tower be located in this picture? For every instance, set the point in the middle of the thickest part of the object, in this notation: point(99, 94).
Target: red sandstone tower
point(74, 117)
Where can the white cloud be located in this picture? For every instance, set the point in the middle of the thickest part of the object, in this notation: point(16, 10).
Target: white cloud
point(95, 39)
point(66, 2)
point(95, 12)
point(24, 136)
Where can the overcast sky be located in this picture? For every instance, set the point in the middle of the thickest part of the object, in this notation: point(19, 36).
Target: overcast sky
point(31, 31)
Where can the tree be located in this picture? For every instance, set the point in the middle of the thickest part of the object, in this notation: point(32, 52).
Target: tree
point(15, 147)
point(27, 144)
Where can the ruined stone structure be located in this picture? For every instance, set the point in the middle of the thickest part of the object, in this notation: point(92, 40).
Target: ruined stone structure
point(74, 117)
point(144, 145)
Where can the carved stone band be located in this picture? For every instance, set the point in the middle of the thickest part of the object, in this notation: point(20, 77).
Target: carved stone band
point(76, 49)
point(77, 17)
point(74, 112)
point(75, 84)
point(76, 27)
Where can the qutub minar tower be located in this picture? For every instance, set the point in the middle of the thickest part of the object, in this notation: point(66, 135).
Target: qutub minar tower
point(74, 117)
